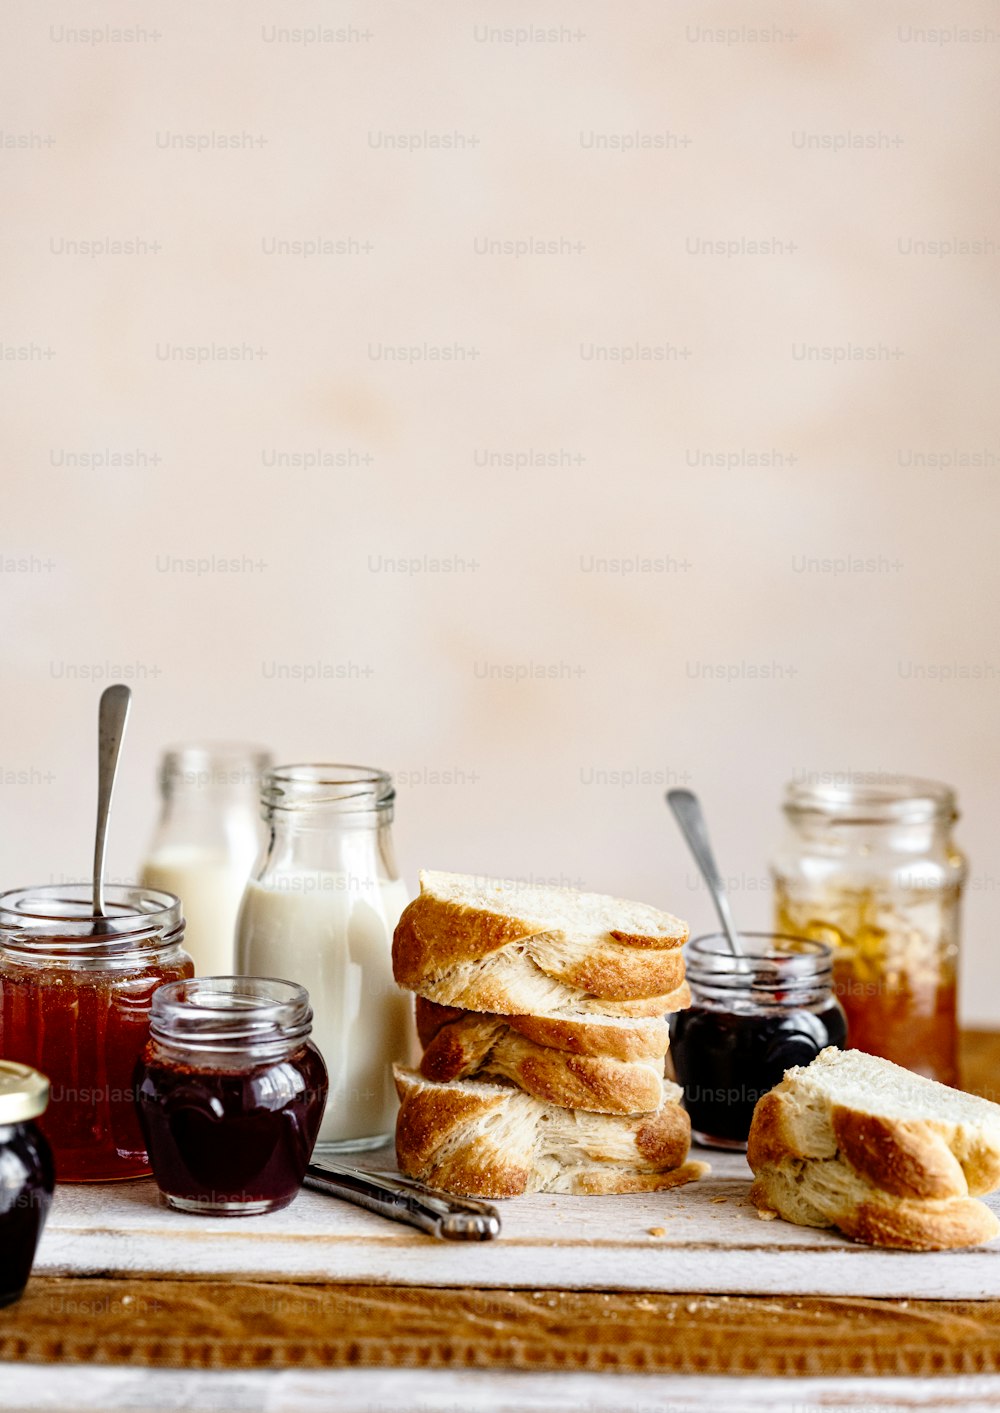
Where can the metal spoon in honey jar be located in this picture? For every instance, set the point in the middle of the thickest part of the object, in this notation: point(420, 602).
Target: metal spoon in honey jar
point(687, 812)
point(112, 719)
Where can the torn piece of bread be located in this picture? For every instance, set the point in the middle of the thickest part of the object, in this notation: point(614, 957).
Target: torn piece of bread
point(907, 1135)
point(487, 946)
point(480, 1139)
point(828, 1192)
point(461, 1044)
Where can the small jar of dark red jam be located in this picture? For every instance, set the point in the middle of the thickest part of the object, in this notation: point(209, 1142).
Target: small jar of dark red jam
point(750, 1019)
point(75, 993)
point(230, 1092)
point(26, 1174)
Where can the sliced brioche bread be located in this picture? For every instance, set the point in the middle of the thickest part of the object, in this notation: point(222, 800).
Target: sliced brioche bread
point(488, 946)
point(909, 1136)
point(613, 1037)
point(828, 1192)
point(467, 1043)
point(480, 1139)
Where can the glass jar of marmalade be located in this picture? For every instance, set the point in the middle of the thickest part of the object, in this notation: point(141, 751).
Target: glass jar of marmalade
point(75, 996)
point(230, 1092)
point(870, 867)
point(750, 1019)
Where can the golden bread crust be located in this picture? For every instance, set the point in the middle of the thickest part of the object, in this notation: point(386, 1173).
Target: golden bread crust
point(918, 1158)
point(477, 1139)
point(874, 1218)
point(906, 1159)
point(438, 939)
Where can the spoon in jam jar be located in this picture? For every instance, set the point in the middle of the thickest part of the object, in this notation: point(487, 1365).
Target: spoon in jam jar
point(112, 718)
point(687, 812)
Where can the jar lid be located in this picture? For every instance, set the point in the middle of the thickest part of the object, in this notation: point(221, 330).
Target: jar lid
point(24, 1093)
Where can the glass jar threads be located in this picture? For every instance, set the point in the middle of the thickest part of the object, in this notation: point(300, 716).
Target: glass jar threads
point(750, 1019)
point(322, 906)
point(206, 842)
point(26, 1174)
point(75, 996)
point(871, 868)
point(230, 1092)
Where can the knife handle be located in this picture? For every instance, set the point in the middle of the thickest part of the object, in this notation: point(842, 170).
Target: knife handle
point(448, 1218)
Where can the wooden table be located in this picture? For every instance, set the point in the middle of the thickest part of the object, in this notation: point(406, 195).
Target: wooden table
point(245, 1325)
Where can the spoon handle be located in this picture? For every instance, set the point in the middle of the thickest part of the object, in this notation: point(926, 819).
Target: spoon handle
point(687, 812)
point(112, 716)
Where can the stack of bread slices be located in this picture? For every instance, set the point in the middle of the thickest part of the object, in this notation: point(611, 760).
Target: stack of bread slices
point(890, 1158)
point(541, 1012)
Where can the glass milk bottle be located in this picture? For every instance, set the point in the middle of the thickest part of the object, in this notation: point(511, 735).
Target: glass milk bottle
point(320, 909)
point(206, 842)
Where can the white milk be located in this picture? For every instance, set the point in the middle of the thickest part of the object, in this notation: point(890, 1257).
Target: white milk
point(334, 937)
point(210, 885)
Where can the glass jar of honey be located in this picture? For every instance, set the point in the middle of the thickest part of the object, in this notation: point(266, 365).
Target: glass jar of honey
point(870, 867)
point(75, 997)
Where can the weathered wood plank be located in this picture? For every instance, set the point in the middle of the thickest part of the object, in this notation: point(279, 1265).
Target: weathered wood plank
point(247, 1325)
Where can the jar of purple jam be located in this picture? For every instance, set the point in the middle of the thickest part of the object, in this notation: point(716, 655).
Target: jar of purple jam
point(750, 1019)
point(26, 1174)
point(230, 1092)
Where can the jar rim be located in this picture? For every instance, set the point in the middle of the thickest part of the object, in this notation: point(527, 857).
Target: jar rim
point(771, 961)
point(870, 798)
point(230, 1010)
point(347, 788)
point(58, 919)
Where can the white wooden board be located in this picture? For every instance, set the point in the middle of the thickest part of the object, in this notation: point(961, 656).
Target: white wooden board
point(713, 1242)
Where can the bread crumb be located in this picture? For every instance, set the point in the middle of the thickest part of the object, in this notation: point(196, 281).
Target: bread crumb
point(764, 1215)
point(657, 1231)
point(720, 1199)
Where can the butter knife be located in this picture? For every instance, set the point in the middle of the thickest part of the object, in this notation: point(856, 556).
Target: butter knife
point(400, 1200)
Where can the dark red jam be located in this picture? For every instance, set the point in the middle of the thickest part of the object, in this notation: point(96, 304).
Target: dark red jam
point(727, 1061)
point(750, 1019)
point(234, 1141)
point(27, 1179)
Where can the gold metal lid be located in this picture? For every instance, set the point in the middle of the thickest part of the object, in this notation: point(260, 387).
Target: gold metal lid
point(24, 1093)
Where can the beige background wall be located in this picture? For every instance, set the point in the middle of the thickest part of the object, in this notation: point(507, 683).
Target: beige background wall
point(836, 459)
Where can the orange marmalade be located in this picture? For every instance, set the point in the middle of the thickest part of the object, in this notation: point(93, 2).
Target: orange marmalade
point(870, 867)
point(75, 997)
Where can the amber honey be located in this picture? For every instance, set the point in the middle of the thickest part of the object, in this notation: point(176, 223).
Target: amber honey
point(75, 997)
